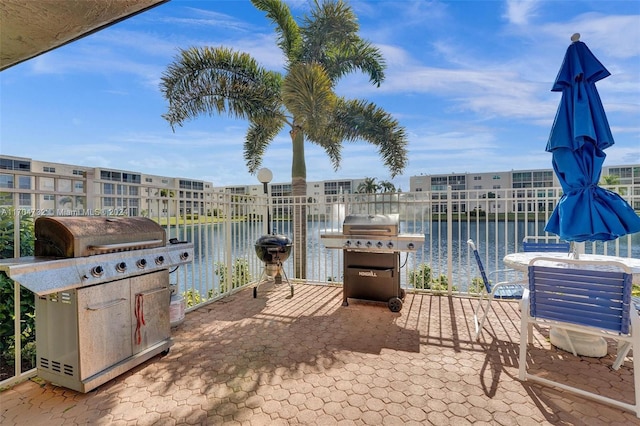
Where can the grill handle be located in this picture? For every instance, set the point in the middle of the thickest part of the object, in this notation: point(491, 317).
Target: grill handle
point(110, 248)
point(370, 231)
point(153, 291)
point(106, 305)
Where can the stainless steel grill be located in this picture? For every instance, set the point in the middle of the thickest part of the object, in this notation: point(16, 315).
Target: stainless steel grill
point(371, 247)
point(103, 297)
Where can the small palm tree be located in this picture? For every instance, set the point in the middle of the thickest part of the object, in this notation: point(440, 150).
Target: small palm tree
point(319, 51)
point(611, 180)
point(368, 186)
point(386, 186)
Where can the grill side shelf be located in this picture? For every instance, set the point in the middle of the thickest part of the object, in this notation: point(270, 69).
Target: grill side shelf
point(40, 275)
point(45, 275)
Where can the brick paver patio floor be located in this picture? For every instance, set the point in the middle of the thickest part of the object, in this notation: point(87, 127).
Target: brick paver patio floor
point(308, 360)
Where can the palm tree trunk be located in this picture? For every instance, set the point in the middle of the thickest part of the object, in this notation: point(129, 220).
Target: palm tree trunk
point(299, 192)
point(299, 186)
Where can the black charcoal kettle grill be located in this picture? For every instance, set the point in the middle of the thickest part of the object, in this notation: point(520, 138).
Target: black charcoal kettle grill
point(273, 250)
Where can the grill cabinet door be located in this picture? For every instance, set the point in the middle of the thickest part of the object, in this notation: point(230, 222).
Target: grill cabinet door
point(150, 300)
point(104, 324)
point(371, 276)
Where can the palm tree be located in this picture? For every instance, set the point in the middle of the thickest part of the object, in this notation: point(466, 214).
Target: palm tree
point(386, 186)
point(368, 186)
point(319, 51)
point(611, 180)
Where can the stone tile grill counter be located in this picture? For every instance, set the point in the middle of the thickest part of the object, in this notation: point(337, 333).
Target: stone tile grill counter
point(102, 295)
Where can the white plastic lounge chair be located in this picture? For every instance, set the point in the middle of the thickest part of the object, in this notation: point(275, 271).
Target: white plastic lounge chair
point(586, 297)
point(505, 290)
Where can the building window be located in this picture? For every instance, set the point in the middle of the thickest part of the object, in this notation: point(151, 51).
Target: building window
point(130, 178)
point(24, 182)
point(64, 185)
point(337, 187)
point(47, 184)
point(24, 199)
point(78, 173)
point(6, 181)
point(48, 197)
point(49, 169)
point(7, 164)
point(457, 180)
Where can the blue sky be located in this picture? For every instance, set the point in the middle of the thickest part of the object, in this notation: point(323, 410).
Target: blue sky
point(469, 80)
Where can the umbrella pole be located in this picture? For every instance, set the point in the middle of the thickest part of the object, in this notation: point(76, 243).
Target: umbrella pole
point(577, 249)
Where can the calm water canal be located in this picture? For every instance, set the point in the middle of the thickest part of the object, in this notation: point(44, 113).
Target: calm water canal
point(494, 241)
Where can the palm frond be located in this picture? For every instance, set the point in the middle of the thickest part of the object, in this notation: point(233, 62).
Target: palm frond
point(358, 56)
point(356, 119)
point(307, 94)
point(260, 133)
point(289, 39)
point(331, 38)
point(330, 23)
point(217, 81)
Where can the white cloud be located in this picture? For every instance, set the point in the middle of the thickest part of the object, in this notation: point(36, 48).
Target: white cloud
point(519, 12)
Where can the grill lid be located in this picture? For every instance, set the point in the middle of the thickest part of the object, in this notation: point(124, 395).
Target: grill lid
point(271, 248)
point(367, 224)
point(73, 236)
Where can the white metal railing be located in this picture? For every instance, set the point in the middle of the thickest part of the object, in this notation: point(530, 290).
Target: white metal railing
point(224, 232)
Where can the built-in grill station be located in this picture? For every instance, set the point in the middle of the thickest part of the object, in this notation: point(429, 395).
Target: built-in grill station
point(102, 295)
point(371, 246)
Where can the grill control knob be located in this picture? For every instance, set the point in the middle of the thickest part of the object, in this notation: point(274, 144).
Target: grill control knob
point(358, 243)
point(390, 244)
point(347, 243)
point(159, 260)
point(410, 246)
point(97, 271)
point(184, 255)
point(368, 244)
point(142, 263)
point(121, 267)
point(379, 244)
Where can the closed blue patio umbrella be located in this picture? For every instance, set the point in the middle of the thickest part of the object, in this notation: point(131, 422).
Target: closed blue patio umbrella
point(579, 136)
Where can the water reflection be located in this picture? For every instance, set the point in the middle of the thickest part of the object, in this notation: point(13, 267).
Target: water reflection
point(213, 243)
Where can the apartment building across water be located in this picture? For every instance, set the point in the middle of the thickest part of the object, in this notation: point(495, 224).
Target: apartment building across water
point(45, 188)
point(518, 184)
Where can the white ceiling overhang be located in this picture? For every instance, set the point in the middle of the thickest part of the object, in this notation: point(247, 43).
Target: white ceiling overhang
point(29, 28)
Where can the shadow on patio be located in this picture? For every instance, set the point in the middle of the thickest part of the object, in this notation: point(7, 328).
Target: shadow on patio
point(308, 360)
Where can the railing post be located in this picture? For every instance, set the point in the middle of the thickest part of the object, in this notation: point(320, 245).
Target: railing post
point(449, 241)
point(17, 329)
point(228, 243)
